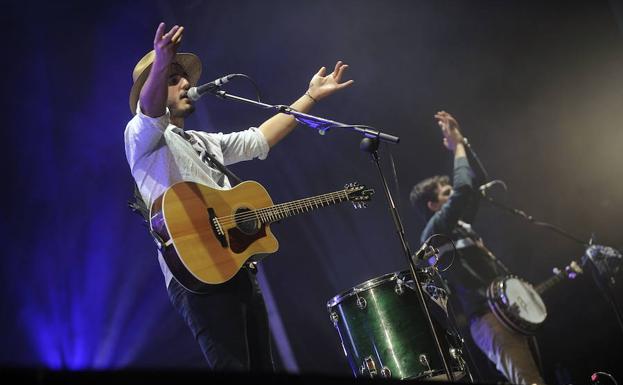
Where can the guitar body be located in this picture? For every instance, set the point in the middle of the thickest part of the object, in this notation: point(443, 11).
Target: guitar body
point(200, 250)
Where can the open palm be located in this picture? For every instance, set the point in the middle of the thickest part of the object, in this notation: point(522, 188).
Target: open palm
point(323, 85)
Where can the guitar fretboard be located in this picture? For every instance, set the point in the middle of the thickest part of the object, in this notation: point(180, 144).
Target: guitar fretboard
point(277, 212)
point(284, 210)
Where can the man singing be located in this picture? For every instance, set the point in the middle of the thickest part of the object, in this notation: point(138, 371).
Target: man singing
point(230, 321)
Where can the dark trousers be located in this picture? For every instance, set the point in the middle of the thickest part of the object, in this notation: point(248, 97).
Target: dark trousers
point(230, 323)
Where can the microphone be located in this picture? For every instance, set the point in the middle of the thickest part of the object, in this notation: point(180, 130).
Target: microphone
point(425, 251)
point(194, 93)
point(485, 187)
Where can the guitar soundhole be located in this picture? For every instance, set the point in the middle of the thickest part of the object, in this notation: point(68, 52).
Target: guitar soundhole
point(246, 222)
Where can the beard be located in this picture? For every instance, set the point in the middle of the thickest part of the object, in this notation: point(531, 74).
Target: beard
point(183, 112)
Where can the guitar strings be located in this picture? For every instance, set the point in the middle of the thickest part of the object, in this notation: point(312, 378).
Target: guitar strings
point(267, 212)
point(271, 212)
point(283, 208)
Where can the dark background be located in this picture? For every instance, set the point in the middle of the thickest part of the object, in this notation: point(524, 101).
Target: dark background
point(537, 88)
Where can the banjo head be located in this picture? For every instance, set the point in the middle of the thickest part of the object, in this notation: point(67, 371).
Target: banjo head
point(516, 304)
point(524, 301)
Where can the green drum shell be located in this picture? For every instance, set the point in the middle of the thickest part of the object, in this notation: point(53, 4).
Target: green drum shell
point(382, 326)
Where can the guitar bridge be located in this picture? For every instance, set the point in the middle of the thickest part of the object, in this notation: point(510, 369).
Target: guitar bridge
point(216, 227)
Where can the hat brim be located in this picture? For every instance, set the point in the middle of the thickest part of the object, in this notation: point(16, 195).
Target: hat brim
point(189, 62)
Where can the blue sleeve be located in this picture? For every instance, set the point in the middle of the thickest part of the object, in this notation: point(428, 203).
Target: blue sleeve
point(445, 220)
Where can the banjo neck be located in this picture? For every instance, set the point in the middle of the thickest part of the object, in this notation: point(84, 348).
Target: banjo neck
point(570, 272)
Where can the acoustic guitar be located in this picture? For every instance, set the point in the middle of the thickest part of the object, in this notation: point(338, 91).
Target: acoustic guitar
point(207, 235)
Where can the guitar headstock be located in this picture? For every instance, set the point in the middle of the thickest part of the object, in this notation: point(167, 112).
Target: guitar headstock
point(358, 194)
point(571, 270)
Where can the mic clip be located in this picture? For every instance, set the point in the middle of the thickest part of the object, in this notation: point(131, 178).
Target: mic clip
point(426, 251)
point(485, 187)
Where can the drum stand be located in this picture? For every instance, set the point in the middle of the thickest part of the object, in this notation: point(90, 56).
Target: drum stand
point(371, 146)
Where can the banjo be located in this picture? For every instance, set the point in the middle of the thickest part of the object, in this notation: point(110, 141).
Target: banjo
point(518, 305)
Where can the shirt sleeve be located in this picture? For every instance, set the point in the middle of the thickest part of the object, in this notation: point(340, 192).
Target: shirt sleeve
point(480, 177)
point(243, 145)
point(444, 220)
point(144, 134)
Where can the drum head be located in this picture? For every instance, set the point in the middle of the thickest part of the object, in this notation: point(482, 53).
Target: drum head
point(374, 282)
point(363, 287)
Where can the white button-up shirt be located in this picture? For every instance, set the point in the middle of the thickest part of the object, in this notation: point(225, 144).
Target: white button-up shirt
point(160, 157)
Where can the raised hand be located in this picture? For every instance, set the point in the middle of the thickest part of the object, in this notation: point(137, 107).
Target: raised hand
point(166, 44)
point(154, 93)
point(450, 130)
point(323, 85)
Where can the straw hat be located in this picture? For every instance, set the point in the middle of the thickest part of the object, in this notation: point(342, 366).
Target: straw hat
point(190, 62)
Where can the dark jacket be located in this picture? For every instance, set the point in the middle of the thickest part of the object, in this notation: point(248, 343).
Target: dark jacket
point(474, 268)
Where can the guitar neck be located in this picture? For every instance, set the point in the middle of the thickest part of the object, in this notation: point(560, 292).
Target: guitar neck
point(284, 210)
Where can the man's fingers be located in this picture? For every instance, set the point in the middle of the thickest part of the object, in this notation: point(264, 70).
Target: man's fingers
point(345, 84)
point(159, 32)
point(339, 73)
point(177, 37)
point(167, 38)
point(171, 33)
point(337, 66)
point(321, 71)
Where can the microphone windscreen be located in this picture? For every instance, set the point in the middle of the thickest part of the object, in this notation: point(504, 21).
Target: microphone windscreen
point(193, 94)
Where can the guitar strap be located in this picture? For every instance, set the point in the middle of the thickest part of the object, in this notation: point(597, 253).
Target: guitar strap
point(212, 161)
point(138, 205)
point(219, 166)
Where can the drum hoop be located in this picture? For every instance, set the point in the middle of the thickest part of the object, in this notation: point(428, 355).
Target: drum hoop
point(367, 285)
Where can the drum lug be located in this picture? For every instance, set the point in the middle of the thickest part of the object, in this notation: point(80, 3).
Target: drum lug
point(457, 355)
point(454, 353)
point(428, 272)
point(399, 288)
point(424, 361)
point(334, 318)
point(368, 367)
point(361, 303)
point(386, 373)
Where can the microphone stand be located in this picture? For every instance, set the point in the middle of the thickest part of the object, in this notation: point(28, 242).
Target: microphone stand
point(321, 124)
point(370, 144)
point(531, 219)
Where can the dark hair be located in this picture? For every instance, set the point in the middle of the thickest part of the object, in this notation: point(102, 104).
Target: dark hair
point(426, 191)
